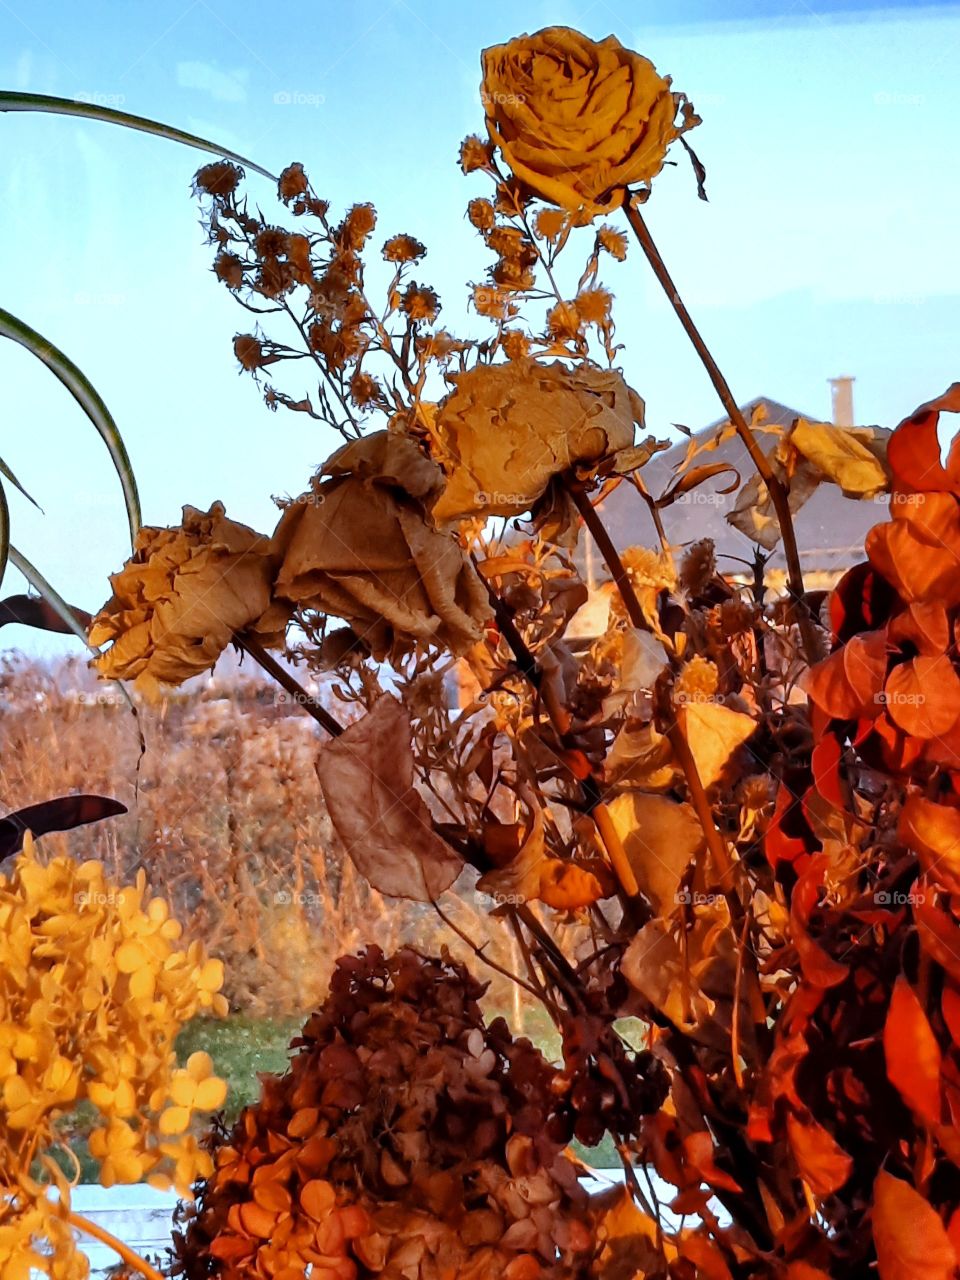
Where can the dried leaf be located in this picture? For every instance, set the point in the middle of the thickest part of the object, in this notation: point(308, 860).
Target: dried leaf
point(914, 449)
point(911, 1241)
point(823, 1165)
point(923, 696)
point(62, 814)
point(933, 832)
point(660, 838)
point(714, 732)
point(851, 457)
point(627, 1239)
point(367, 780)
point(34, 611)
point(912, 1053)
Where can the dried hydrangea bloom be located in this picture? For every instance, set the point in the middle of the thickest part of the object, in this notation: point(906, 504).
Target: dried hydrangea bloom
point(94, 990)
point(407, 1140)
point(577, 120)
point(182, 596)
point(507, 428)
point(361, 546)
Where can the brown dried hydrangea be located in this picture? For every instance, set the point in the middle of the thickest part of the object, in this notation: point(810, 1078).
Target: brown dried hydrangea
point(408, 1140)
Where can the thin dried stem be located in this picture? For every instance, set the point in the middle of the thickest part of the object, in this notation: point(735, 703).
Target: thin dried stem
point(610, 555)
point(289, 683)
point(777, 490)
point(133, 1260)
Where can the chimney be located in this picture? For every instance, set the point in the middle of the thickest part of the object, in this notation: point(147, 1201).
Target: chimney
point(842, 390)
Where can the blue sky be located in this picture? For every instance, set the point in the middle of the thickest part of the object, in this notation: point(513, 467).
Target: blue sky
point(828, 246)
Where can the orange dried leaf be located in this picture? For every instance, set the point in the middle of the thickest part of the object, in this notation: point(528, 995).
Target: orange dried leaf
point(923, 696)
point(912, 1053)
point(911, 1241)
point(823, 1165)
point(933, 832)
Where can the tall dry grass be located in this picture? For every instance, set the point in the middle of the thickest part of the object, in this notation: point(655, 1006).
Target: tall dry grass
point(226, 816)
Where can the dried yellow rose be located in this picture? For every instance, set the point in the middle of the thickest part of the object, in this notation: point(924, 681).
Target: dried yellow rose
point(181, 597)
point(506, 429)
point(577, 120)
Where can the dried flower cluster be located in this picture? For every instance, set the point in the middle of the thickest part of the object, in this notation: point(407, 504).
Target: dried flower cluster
point(93, 992)
point(652, 810)
point(407, 1139)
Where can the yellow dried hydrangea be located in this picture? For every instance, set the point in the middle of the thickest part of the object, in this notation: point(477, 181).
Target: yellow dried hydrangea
point(93, 992)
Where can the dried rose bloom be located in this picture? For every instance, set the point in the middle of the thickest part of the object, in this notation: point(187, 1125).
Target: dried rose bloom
point(362, 547)
point(577, 120)
point(507, 428)
point(179, 600)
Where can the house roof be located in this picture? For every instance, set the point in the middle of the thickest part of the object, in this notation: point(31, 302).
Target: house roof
point(830, 528)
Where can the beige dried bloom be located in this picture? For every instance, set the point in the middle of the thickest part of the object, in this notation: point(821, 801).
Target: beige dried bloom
point(507, 428)
point(179, 600)
point(361, 546)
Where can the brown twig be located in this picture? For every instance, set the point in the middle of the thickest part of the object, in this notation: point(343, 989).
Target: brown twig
point(777, 490)
point(610, 555)
point(289, 683)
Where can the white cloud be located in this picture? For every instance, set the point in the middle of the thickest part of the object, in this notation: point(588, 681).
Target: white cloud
point(224, 86)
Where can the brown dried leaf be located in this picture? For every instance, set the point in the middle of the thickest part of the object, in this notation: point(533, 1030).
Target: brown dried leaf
point(822, 1163)
point(367, 780)
point(933, 831)
point(627, 1239)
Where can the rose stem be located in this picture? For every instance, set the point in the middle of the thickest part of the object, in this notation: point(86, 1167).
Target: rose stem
point(670, 727)
point(611, 556)
point(560, 719)
point(777, 491)
point(255, 649)
point(132, 1259)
